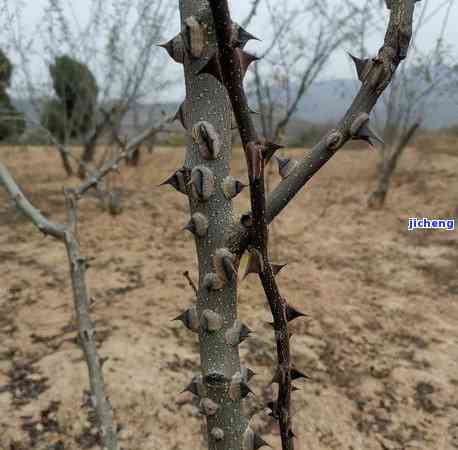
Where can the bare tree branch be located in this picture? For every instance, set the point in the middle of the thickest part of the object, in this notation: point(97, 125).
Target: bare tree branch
point(254, 8)
point(86, 330)
point(95, 176)
point(40, 221)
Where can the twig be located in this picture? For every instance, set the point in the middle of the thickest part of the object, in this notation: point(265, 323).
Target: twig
point(252, 13)
point(96, 176)
point(86, 331)
point(190, 281)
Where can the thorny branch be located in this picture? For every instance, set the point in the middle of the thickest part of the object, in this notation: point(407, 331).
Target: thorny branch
point(375, 75)
point(378, 73)
point(255, 151)
point(190, 281)
point(67, 235)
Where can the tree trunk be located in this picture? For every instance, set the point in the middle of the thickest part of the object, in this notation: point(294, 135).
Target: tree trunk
point(206, 100)
point(378, 196)
point(387, 166)
point(86, 335)
point(87, 157)
point(134, 160)
point(66, 163)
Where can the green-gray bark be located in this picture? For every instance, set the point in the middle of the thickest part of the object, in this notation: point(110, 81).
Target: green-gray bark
point(206, 100)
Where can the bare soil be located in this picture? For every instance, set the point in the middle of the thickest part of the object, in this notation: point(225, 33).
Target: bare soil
point(380, 345)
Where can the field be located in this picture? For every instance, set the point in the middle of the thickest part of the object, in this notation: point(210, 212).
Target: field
point(380, 345)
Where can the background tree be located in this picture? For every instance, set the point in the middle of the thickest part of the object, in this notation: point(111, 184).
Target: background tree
point(11, 121)
point(76, 89)
point(72, 113)
point(416, 87)
point(113, 45)
point(303, 39)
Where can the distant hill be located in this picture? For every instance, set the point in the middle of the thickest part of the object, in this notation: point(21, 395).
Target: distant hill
point(326, 101)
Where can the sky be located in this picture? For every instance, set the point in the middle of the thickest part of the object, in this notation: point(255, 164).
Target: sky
point(339, 65)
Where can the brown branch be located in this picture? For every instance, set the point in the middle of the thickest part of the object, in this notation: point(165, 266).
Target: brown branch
point(190, 281)
point(233, 81)
point(67, 235)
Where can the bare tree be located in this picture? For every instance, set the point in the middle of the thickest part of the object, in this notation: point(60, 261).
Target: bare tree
point(86, 331)
point(117, 44)
point(68, 234)
point(412, 93)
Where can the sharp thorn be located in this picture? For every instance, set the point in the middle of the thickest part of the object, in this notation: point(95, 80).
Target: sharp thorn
point(240, 36)
point(255, 263)
point(190, 227)
point(245, 60)
point(245, 390)
point(212, 67)
point(259, 442)
point(178, 180)
point(175, 48)
point(296, 375)
point(195, 386)
point(362, 66)
point(292, 313)
point(269, 150)
point(189, 318)
point(276, 268)
point(247, 374)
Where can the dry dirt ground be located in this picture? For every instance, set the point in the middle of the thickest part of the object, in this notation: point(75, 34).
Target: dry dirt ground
point(380, 346)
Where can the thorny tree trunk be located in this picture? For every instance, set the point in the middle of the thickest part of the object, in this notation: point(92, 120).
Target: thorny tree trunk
point(389, 158)
point(206, 100)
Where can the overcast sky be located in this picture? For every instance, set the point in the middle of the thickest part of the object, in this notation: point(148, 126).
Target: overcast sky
point(338, 67)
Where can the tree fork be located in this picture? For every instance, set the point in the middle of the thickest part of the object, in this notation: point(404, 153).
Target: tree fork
point(377, 78)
